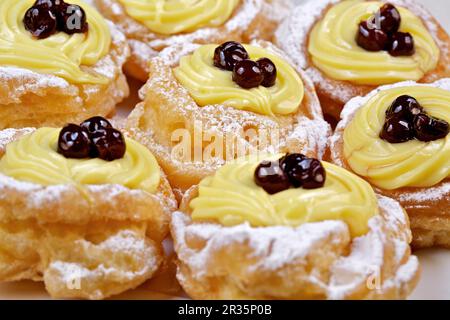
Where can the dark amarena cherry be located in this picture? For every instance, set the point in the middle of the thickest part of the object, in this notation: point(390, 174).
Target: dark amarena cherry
point(294, 169)
point(307, 173)
point(269, 71)
point(49, 4)
point(74, 142)
point(290, 160)
point(370, 38)
point(72, 19)
point(111, 145)
point(228, 54)
point(313, 174)
point(427, 128)
point(247, 74)
point(96, 126)
point(389, 18)
point(402, 44)
point(270, 177)
point(397, 130)
point(40, 22)
point(404, 107)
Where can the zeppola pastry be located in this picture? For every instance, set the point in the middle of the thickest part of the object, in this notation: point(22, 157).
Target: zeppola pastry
point(59, 62)
point(350, 47)
point(82, 208)
point(206, 104)
point(397, 138)
point(151, 26)
point(291, 227)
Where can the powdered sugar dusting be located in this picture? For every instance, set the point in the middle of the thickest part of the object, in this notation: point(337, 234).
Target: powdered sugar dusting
point(293, 34)
point(34, 196)
point(172, 55)
point(26, 81)
point(277, 250)
point(125, 245)
point(420, 11)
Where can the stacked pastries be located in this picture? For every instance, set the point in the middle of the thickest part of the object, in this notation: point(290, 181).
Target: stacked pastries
point(271, 204)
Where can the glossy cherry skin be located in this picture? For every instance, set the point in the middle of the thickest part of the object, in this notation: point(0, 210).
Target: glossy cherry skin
point(314, 174)
point(49, 4)
point(228, 54)
point(269, 71)
point(270, 177)
point(427, 128)
point(291, 165)
point(111, 145)
point(402, 44)
point(74, 142)
point(247, 74)
point(370, 38)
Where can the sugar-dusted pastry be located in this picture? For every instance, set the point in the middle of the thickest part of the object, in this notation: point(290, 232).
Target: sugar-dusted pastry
point(397, 138)
point(291, 227)
point(82, 209)
point(59, 62)
point(151, 26)
point(350, 47)
point(206, 104)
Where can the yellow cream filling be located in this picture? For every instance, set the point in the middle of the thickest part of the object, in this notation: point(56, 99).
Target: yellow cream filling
point(209, 85)
point(175, 16)
point(34, 158)
point(231, 197)
point(392, 166)
point(61, 55)
point(334, 50)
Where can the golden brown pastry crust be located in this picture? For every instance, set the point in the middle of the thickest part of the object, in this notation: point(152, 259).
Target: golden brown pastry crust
point(253, 19)
point(334, 94)
point(167, 106)
point(90, 244)
point(313, 261)
point(428, 208)
point(29, 99)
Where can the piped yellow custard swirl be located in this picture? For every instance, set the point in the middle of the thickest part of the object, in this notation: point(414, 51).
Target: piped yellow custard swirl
point(175, 16)
point(392, 166)
point(34, 158)
point(209, 85)
point(231, 197)
point(334, 50)
point(61, 55)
